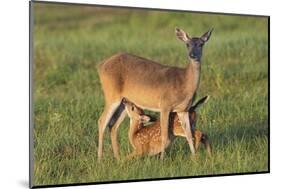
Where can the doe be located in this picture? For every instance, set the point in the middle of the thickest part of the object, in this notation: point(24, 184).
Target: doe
point(151, 86)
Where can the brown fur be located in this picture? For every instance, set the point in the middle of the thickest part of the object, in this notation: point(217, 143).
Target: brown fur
point(146, 140)
point(149, 85)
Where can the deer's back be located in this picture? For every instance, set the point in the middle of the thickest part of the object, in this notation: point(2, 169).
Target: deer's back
point(127, 61)
point(132, 66)
point(141, 80)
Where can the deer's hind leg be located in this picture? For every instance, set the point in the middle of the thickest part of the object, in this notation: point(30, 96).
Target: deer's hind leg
point(104, 120)
point(120, 116)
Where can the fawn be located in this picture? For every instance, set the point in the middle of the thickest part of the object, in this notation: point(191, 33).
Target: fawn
point(146, 140)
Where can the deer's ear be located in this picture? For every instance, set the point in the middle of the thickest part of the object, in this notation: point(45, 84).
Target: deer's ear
point(152, 118)
point(206, 36)
point(182, 35)
point(144, 118)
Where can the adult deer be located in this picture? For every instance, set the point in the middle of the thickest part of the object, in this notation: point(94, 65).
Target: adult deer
point(151, 86)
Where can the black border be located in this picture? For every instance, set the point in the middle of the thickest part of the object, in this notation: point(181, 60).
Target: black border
point(133, 180)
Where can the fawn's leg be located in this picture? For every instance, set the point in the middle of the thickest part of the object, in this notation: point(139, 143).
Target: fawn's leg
point(198, 138)
point(207, 143)
point(131, 155)
point(135, 153)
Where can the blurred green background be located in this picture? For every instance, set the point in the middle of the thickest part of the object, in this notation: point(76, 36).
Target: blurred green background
point(69, 41)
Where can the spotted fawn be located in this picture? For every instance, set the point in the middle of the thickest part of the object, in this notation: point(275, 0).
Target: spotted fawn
point(146, 140)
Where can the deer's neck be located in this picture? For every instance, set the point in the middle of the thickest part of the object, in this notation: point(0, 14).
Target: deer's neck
point(192, 76)
point(135, 126)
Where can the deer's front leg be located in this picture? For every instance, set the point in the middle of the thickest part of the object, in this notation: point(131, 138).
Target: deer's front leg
point(184, 119)
point(164, 122)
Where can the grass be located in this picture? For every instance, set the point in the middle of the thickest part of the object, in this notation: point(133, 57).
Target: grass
point(69, 41)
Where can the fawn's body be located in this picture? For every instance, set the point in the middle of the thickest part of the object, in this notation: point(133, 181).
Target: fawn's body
point(146, 140)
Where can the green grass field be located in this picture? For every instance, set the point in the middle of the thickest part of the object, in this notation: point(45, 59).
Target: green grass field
point(69, 41)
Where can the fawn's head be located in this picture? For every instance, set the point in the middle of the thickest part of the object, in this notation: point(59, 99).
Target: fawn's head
point(134, 112)
point(178, 130)
point(194, 44)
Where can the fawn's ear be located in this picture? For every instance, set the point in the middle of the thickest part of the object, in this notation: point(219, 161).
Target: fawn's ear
point(182, 35)
point(199, 103)
point(206, 36)
point(152, 118)
point(144, 118)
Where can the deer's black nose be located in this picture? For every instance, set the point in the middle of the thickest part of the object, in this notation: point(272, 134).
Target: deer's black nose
point(192, 55)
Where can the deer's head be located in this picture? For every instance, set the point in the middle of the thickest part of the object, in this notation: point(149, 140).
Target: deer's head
point(194, 44)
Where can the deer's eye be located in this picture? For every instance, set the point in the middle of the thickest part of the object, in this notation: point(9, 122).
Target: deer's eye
point(133, 108)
